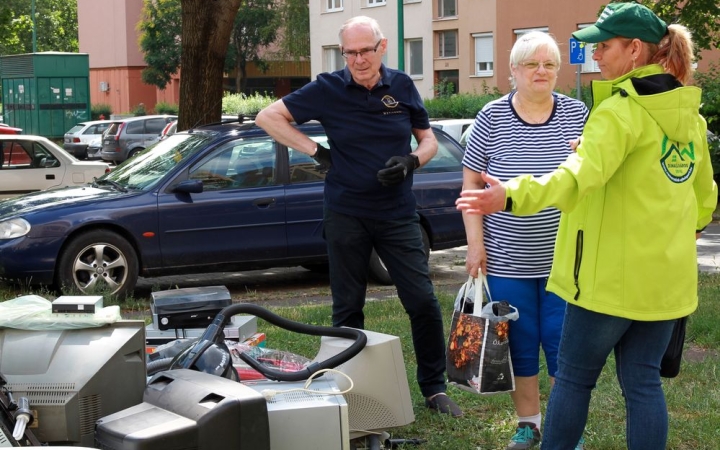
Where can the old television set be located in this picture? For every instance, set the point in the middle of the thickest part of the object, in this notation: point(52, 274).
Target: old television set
point(74, 377)
point(380, 397)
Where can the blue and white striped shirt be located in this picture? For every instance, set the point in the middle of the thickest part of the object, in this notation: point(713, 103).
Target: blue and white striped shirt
point(505, 146)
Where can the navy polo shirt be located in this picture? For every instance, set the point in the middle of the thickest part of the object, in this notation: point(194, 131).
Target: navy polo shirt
point(364, 128)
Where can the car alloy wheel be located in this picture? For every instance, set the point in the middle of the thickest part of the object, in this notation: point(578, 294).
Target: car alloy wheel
point(99, 261)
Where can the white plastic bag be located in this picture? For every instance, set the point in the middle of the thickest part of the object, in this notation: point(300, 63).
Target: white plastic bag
point(32, 312)
point(470, 295)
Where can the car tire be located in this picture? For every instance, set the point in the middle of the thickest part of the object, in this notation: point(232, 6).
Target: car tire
point(100, 262)
point(134, 152)
point(317, 268)
point(379, 272)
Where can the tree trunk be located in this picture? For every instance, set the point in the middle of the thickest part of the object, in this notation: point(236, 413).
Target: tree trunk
point(206, 29)
point(241, 76)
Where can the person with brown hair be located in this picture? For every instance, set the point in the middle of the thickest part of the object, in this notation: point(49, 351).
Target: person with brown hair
point(633, 198)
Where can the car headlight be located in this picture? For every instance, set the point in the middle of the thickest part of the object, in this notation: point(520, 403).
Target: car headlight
point(14, 228)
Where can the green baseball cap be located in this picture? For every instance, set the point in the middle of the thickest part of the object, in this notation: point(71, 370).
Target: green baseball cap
point(630, 20)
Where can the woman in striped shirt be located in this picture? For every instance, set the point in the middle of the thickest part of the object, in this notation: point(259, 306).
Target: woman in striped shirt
point(525, 132)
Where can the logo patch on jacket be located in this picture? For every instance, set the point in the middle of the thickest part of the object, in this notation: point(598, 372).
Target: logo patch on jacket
point(677, 162)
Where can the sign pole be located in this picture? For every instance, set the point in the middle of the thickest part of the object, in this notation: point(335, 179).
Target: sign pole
point(577, 57)
point(578, 84)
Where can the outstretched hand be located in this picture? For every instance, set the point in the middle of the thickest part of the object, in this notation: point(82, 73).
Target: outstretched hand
point(483, 201)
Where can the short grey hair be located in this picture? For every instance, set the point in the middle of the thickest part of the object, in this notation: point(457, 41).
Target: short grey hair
point(361, 20)
point(528, 44)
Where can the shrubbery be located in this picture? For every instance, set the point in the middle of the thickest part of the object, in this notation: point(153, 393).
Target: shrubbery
point(245, 105)
point(166, 108)
point(100, 109)
point(458, 106)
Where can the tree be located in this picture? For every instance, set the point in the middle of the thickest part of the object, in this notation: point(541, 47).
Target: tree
point(206, 29)
point(160, 31)
point(294, 42)
point(702, 17)
point(256, 26)
point(56, 26)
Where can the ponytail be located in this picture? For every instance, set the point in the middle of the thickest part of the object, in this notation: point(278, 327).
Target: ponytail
point(675, 53)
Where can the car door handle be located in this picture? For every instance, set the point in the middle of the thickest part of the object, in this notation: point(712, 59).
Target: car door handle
point(264, 202)
point(49, 176)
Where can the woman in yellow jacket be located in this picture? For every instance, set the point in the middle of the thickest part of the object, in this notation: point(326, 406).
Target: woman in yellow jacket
point(632, 198)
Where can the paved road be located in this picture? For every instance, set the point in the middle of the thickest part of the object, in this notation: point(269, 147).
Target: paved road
point(288, 286)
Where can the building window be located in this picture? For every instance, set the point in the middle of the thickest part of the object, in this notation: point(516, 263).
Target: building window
point(414, 63)
point(590, 65)
point(447, 82)
point(332, 59)
point(334, 5)
point(484, 57)
point(522, 31)
point(447, 44)
point(376, 2)
point(447, 8)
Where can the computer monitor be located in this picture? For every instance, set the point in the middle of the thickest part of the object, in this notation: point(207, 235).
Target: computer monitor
point(74, 377)
point(380, 398)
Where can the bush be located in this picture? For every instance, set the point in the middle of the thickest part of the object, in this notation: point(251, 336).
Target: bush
point(459, 106)
point(166, 108)
point(585, 93)
point(245, 105)
point(710, 108)
point(100, 109)
point(139, 110)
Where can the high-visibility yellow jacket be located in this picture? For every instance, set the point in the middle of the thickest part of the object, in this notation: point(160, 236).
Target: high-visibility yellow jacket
point(632, 198)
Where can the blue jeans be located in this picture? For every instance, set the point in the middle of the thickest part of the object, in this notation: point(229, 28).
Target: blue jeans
point(587, 340)
point(350, 241)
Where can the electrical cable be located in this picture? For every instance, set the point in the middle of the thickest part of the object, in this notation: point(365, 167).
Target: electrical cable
point(269, 394)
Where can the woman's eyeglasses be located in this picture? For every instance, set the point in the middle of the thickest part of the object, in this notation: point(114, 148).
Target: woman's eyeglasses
point(364, 52)
point(535, 65)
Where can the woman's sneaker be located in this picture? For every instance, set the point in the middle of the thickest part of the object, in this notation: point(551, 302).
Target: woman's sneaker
point(526, 436)
point(581, 444)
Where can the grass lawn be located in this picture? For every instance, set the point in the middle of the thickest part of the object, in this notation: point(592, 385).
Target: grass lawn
point(693, 397)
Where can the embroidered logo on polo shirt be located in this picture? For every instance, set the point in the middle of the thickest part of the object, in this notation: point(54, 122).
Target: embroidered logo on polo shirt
point(677, 163)
point(389, 101)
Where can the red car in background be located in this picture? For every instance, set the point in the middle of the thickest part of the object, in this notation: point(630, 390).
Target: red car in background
point(7, 129)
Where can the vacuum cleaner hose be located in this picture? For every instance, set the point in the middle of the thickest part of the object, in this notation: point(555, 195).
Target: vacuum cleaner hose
point(359, 338)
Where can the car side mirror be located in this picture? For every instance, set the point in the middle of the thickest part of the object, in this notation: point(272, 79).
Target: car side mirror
point(189, 187)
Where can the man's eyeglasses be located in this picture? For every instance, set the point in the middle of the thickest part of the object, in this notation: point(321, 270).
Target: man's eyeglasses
point(535, 65)
point(364, 52)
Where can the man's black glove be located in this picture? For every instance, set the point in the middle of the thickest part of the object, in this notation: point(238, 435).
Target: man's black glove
point(322, 156)
point(397, 168)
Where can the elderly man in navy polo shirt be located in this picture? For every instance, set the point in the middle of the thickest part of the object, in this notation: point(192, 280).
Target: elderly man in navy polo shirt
point(369, 113)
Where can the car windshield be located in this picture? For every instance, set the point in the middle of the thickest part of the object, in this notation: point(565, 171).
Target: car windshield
point(144, 171)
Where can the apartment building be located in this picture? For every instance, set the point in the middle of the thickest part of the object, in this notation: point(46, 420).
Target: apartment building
point(463, 42)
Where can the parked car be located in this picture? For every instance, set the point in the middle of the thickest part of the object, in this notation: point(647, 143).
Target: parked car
point(34, 163)
point(465, 136)
point(94, 148)
point(223, 197)
point(7, 129)
point(125, 138)
point(169, 130)
point(77, 138)
point(453, 127)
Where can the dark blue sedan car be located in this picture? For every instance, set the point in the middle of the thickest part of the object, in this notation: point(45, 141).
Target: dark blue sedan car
point(218, 198)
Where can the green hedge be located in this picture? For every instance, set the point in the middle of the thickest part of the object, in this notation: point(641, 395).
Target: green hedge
point(100, 109)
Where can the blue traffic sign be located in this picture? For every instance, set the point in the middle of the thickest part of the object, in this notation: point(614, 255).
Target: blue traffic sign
point(577, 52)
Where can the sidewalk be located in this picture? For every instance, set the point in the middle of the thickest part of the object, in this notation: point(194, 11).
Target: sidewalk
point(708, 247)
